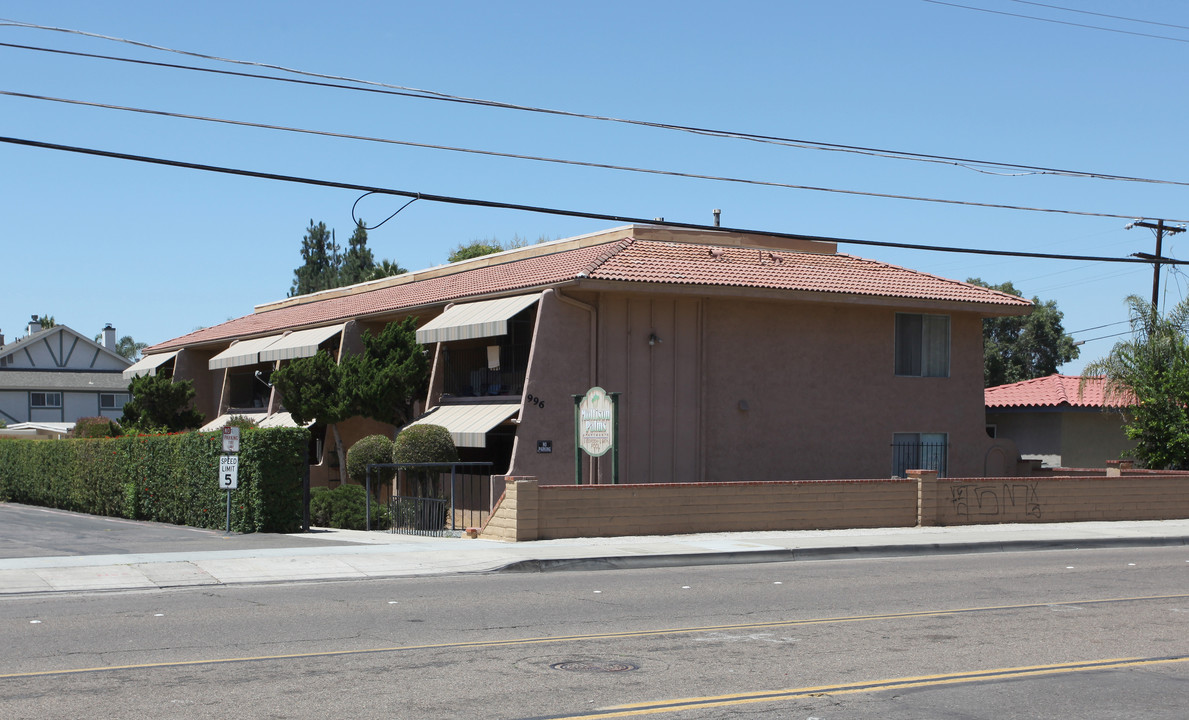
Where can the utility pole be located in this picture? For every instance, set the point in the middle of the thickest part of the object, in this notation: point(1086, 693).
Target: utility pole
point(1160, 229)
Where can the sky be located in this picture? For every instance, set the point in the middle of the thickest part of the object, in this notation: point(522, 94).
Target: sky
point(160, 251)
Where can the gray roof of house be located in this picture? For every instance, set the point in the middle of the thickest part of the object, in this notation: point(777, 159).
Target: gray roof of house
point(61, 380)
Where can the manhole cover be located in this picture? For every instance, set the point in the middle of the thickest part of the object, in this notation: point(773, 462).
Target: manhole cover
point(593, 666)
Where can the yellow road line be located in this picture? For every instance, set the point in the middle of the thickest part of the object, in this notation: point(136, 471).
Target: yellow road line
point(583, 638)
point(676, 705)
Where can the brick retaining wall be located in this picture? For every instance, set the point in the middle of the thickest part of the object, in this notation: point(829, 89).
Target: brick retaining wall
point(529, 511)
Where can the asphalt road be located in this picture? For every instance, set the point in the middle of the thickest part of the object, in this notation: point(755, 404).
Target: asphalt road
point(1042, 634)
point(27, 531)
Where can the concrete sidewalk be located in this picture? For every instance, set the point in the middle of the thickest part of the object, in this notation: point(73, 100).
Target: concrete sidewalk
point(383, 555)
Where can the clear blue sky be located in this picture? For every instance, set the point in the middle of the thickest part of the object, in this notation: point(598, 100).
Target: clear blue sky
point(160, 251)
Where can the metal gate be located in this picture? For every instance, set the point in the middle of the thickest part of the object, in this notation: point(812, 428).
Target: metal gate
point(439, 499)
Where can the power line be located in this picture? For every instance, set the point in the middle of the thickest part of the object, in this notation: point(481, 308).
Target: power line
point(561, 161)
point(1097, 327)
point(551, 211)
point(1101, 337)
point(982, 166)
point(1057, 22)
point(1098, 14)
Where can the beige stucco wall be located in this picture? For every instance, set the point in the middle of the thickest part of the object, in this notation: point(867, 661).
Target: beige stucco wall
point(1076, 438)
point(822, 396)
point(1089, 439)
point(744, 390)
point(560, 366)
point(194, 365)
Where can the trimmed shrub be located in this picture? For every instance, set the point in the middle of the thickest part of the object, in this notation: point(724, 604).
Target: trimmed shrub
point(369, 450)
point(345, 508)
point(425, 444)
point(95, 427)
point(241, 421)
point(165, 478)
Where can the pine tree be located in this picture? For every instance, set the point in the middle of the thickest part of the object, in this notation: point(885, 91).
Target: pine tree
point(358, 262)
point(320, 262)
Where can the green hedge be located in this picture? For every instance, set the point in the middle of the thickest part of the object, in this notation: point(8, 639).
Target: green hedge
point(164, 478)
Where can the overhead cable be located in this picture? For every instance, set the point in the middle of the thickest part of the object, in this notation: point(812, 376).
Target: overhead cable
point(1058, 22)
point(1098, 14)
point(560, 161)
point(554, 211)
point(982, 166)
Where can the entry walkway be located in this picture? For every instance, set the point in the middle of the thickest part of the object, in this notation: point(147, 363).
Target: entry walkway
point(346, 555)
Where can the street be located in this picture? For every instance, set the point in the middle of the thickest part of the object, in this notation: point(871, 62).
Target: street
point(1093, 633)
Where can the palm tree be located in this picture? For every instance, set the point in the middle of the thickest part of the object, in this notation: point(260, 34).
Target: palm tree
point(1148, 376)
point(386, 268)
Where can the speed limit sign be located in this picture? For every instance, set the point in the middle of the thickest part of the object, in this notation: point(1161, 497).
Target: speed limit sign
point(228, 472)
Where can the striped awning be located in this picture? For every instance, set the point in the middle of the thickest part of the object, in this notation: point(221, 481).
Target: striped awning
point(468, 424)
point(242, 352)
point(148, 364)
point(302, 343)
point(486, 318)
point(281, 419)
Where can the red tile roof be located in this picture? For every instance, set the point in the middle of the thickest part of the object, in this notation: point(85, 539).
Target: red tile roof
point(1052, 391)
point(625, 259)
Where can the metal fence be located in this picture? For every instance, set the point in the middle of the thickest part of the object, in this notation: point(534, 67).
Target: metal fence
point(918, 456)
point(438, 499)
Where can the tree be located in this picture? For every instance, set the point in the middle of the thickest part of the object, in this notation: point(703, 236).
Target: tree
point(1024, 347)
point(160, 404)
point(358, 262)
point(379, 383)
point(324, 266)
point(126, 347)
point(386, 268)
point(1148, 376)
point(129, 348)
point(312, 388)
point(386, 377)
point(320, 261)
point(46, 322)
point(474, 249)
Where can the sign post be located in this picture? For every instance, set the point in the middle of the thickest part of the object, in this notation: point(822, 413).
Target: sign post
point(229, 479)
point(596, 429)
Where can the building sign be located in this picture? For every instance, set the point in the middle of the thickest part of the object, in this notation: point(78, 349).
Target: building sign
point(544, 446)
point(595, 422)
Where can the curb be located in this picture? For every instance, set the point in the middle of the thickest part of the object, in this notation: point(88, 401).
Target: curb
point(631, 562)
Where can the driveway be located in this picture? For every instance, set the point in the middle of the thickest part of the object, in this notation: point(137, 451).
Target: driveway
point(28, 531)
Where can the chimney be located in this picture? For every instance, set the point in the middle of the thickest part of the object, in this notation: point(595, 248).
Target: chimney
point(34, 326)
point(109, 337)
point(1, 338)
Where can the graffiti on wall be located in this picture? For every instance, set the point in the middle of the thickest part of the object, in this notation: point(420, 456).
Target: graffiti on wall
point(1006, 499)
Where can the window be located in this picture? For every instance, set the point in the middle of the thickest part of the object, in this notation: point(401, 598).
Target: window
point(112, 401)
point(5, 361)
point(919, 451)
point(922, 345)
point(45, 399)
point(490, 365)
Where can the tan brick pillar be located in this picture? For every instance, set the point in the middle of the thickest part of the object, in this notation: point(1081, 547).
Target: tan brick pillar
point(1116, 468)
point(926, 496)
point(522, 492)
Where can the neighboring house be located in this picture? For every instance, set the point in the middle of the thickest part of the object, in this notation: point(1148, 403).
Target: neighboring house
point(1058, 420)
point(737, 357)
point(57, 375)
